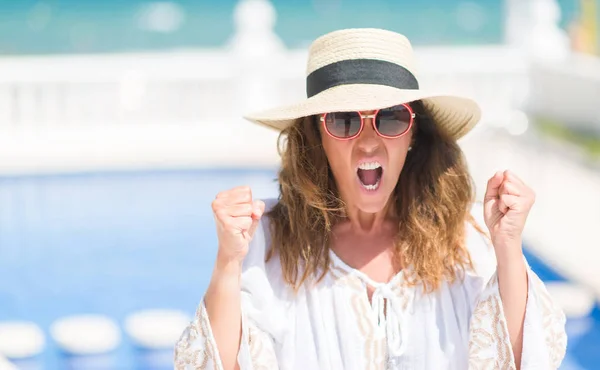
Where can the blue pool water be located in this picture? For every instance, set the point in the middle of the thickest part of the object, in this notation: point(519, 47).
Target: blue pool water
point(115, 243)
point(109, 244)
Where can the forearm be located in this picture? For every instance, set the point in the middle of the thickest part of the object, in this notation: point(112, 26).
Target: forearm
point(512, 281)
point(223, 306)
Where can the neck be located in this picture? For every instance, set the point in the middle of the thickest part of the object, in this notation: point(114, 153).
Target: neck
point(366, 223)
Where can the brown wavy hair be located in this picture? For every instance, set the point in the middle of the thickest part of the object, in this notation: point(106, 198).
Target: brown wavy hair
point(432, 199)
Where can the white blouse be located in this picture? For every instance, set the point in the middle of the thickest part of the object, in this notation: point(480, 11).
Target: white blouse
point(332, 324)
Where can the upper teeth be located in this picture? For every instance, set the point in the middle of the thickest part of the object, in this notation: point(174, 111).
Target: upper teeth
point(369, 165)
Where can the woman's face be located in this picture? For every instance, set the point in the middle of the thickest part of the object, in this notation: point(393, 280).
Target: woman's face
point(366, 168)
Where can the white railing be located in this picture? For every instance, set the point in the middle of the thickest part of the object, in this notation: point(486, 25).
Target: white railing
point(115, 90)
point(73, 113)
point(213, 84)
point(255, 71)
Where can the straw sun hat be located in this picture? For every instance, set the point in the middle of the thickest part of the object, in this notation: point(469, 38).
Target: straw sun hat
point(367, 69)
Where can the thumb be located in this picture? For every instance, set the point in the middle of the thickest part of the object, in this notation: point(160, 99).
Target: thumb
point(258, 209)
point(493, 186)
point(257, 212)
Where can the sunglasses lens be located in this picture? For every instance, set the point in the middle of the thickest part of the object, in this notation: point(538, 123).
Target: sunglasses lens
point(342, 124)
point(393, 121)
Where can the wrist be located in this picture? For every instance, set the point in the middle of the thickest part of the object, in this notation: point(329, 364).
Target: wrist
point(228, 265)
point(508, 251)
point(512, 264)
point(224, 286)
point(510, 258)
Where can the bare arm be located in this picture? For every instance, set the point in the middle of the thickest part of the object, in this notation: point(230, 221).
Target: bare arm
point(237, 217)
point(223, 306)
point(506, 207)
point(512, 281)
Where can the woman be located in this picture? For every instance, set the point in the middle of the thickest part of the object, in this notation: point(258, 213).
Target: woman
point(365, 260)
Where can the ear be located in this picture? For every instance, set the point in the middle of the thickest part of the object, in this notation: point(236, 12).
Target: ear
point(413, 132)
point(315, 122)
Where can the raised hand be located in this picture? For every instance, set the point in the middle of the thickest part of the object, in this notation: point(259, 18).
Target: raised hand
point(507, 204)
point(236, 217)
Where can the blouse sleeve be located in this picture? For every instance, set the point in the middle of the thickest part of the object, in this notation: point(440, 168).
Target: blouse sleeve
point(261, 328)
point(544, 336)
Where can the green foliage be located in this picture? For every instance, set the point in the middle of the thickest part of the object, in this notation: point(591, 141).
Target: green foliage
point(589, 142)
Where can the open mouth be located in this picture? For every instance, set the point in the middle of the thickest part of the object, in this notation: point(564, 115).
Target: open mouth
point(369, 174)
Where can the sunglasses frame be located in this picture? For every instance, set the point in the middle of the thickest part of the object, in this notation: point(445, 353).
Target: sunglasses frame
point(373, 120)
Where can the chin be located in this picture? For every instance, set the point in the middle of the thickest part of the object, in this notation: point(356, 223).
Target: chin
point(371, 205)
point(372, 201)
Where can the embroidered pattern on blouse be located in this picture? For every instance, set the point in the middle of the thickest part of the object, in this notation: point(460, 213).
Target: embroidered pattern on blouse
point(261, 354)
point(553, 320)
point(489, 343)
point(195, 350)
point(375, 352)
point(404, 293)
point(489, 346)
point(360, 308)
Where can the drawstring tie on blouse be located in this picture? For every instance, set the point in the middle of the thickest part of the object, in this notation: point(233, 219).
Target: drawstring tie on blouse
point(390, 316)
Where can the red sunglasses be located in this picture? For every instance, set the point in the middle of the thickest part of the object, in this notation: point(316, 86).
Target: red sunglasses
point(389, 123)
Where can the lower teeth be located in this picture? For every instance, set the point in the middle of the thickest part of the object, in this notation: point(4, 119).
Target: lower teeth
point(371, 187)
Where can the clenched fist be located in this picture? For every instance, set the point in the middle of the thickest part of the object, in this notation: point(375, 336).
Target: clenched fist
point(506, 206)
point(236, 216)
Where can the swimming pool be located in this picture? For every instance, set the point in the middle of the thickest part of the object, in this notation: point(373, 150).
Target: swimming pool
point(115, 243)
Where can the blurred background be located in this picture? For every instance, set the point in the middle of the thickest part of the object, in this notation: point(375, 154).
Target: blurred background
point(120, 120)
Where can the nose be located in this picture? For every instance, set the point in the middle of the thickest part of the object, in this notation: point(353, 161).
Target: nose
point(368, 140)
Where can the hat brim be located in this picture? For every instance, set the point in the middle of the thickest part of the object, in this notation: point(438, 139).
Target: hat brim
point(454, 114)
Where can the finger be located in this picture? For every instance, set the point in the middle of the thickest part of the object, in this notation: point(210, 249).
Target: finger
point(508, 202)
point(250, 226)
point(258, 209)
point(238, 225)
point(493, 186)
point(223, 208)
point(509, 188)
point(253, 227)
point(224, 212)
point(511, 177)
point(236, 193)
point(238, 210)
